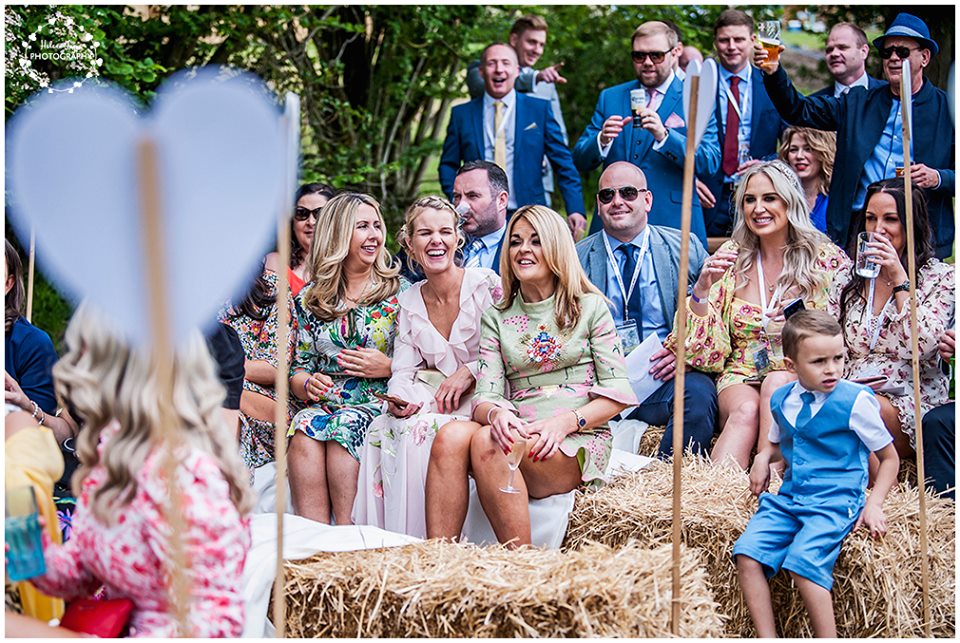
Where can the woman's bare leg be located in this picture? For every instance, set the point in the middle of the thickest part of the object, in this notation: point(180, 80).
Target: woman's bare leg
point(447, 488)
point(739, 407)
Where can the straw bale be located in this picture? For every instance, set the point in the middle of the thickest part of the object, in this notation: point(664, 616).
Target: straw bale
point(877, 583)
point(441, 589)
point(650, 441)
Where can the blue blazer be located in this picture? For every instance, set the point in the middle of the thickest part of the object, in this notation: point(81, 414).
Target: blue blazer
point(663, 167)
point(828, 90)
point(765, 130)
point(537, 134)
point(858, 118)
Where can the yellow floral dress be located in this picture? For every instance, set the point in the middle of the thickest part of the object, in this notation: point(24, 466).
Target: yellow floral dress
point(726, 339)
point(528, 364)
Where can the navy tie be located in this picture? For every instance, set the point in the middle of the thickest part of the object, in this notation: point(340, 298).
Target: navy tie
point(634, 307)
point(805, 411)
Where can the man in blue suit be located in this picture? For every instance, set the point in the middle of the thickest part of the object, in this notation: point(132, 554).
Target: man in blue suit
point(658, 145)
point(637, 267)
point(846, 55)
point(870, 130)
point(748, 124)
point(514, 131)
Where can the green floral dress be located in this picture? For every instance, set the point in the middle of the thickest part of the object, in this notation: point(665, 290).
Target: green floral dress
point(531, 366)
point(259, 340)
point(348, 406)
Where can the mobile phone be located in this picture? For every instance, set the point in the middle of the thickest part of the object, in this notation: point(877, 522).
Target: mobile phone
point(753, 381)
point(869, 379)
point(391, 398)
point(794, 306)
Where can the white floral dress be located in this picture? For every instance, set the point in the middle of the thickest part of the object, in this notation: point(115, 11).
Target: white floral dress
point(892, 356)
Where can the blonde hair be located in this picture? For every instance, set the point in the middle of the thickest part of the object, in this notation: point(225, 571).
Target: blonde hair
point(803, 239)
point(656, 28)
point(105, 380)
point(331, 245)
point(559, 254)
point(824, 145)
point(410, 216)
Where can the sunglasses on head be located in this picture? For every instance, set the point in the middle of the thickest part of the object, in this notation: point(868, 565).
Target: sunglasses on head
point(302, 214)
point(656, 57)
point(627, 193)
point(902, 52)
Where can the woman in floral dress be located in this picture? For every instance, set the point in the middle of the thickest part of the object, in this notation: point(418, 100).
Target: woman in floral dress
point(346, 317)
point(121, 543)
point(878, 339)
point(255, 320)
point(434, 368)
point(551, 374)
point(775, 255)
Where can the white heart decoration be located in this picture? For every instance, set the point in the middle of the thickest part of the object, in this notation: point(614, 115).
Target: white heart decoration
point(221, 157)
point(706, 94)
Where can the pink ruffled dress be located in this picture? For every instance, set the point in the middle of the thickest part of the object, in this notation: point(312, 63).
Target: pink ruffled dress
point(396, 451)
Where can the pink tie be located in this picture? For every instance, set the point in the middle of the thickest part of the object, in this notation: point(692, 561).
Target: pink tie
point(652, 99)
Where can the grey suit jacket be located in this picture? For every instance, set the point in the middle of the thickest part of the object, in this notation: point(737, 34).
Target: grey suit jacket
point(665, 252)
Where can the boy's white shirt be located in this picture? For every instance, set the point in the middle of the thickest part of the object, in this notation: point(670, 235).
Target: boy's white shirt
point(865, 418)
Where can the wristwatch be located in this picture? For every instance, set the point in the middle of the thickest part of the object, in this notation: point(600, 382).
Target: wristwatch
point(581, 422)
point(904, 287)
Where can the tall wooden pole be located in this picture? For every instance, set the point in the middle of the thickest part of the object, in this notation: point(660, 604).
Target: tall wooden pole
point(680, 333)
point(905, 98)
point(291, 124)
point(162, 357)
point(31, 262)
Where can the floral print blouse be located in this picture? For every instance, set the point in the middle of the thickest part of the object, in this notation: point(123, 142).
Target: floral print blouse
point(726, 339)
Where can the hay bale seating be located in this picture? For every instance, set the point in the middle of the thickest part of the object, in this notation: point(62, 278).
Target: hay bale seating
point(440, 589)
point(877, 583)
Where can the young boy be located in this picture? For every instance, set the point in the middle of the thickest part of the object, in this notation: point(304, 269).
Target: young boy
point(825, 428)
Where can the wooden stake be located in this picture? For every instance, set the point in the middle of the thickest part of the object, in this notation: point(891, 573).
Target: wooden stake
point(280, 435)
point(915, 360)
point(156, 271)
point(31, 260)
point(680, 334)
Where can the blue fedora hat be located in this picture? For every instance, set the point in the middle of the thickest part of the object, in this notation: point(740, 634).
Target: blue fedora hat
point(909, 26)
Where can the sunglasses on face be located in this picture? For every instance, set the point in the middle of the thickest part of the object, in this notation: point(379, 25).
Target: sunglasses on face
point(627, 193)
point(302, 214)
point(656, 57)
point(902, 52)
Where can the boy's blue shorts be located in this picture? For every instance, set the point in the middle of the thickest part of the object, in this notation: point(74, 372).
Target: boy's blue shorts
point(802, 538)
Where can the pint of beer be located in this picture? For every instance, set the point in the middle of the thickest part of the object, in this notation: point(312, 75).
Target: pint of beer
point(638, 100)
point(769, 36)
point(773, 49)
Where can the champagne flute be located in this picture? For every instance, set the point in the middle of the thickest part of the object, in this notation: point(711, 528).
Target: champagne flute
point(513, 461)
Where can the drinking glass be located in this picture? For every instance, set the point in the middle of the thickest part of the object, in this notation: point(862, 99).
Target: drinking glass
point(866, 268)
point(22, 531)
point(769, 35)
point(513, 461)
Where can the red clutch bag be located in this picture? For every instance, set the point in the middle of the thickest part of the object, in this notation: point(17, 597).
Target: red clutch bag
point(105, 619)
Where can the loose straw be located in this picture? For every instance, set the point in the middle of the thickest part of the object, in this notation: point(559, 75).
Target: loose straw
point(31, 261)
point(152, 226)
point(681, 340)
point(905, 98)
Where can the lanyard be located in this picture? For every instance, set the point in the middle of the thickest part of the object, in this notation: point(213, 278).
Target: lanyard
point(636, 271)
point(744, 96)
point(879, 319)
point(765, 320)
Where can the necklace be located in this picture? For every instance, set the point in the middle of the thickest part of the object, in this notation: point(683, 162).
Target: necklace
point(358, 298)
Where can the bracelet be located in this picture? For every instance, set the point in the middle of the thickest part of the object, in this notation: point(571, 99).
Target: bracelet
point(693, 296)
point(36, 409)
point(492, 409)
point(305, 391)
point(904, 287)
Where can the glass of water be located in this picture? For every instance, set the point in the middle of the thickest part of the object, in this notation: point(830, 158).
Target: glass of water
point(865, 267)
point(22, 531)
